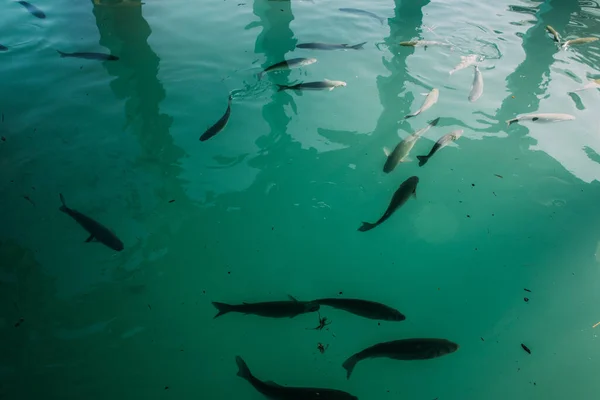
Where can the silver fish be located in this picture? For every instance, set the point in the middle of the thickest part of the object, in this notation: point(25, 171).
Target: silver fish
point(442, 142)
point(363, 12)
point(423, 43)
point(330, 46)
point(287, 64)
point(579, 41)
point(400, 153)
point(430, 100)
point(541, 118)
point(465, 62)
point(319, 85)
point(477, 89)
point(553, 32)
point(593, 84)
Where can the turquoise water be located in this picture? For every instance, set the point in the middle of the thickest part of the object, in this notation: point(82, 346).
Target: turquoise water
point(271, 205)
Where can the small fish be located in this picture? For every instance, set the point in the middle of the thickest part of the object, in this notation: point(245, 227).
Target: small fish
point(579, 41)
point(271, 309)
point(402, 149)
point(465, 62)
point(526, 348)
point(407, 189)
point(357, 11)
point(430, 100)
point(89, 56)
point(95, 229)
point(219, 125)
point(477, 88)
point(590, 85)
point(330, 46)
point(550, 117)
point(3, 48)
point(274, 391)
point(321, 85)
point(423, 43)
point(287, 64)
point(442, 142)
point(32, 9)
point(553, 33)
point(406, 349)
point(364, 308)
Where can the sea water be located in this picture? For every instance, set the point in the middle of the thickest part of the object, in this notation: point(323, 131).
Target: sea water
point(270, 206)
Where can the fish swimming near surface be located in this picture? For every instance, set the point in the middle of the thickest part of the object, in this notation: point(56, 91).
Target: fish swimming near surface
point(541, 118)
point(274, 391)
point(590, 85)
point(89, 56)
point(95, 229)
point(423, 43)
point(272, 309)
point(364, 308)
point(357, 11)
point(431, 99)
point(330, 46)
point(220, 124)
point(405, 349)
point(477, 88)
point(320, 85)
point(36, 12)
point(3, 48)
point(465, 62)
point(407, 189)
point(287, 64)
point(402, 149)
point(442, 142)
point(579, 41)
point(554, 34)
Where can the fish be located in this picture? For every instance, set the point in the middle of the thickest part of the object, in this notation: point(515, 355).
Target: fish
point(465, 62)
point(89, 56)
point(593, 84)
point(407, 189)
point(405, 349)
point(442, 142)
point(271, 309)
point(36, 12)
point(525, 348)
point(364, 308)
point(477, 88)
point(423, 43)
point(579, 41)
point(357, 11)
point(430, 100)
point(320, 85)
point(274, 391)
point(541, 118)
point(3, 48)
point(220, 124)
point(402, 149)
point(553, 33)
point(95, 229)
point(287, 64)
point(330, 46)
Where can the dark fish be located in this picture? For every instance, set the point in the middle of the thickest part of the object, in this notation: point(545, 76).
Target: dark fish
point(320, 85)
point(32, 9)
point(277, 392)
point(526, 348)
point(441, 143)
point(89, 56)
point(407, 188)
point(271, 309)
point(364, 308)
point(287, 64)
point(96, 230)
point(3, 48)
point(406, 349)
point(218, 127)
point(363, 12)
point(330, 46)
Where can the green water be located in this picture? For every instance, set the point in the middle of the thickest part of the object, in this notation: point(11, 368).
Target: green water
point(271, 205)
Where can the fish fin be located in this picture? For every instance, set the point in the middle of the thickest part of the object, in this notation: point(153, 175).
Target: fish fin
point(260, 75)
point(64, 207)
point(62, 54)
point(422, 160)
point(222, 308)
point(282, 87)
point(366, 226)
point(414, 194)
point(349, 365)
point(423, 94)
point(89, 239)
point(292, 298)
point(357, 46)
point(243, 370)
point(434, 122)
point(386, 151)
point(273, 384)
point(406, 159)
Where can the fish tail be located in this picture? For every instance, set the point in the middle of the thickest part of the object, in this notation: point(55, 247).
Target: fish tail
point(410, 116)
point(260, 75)
point(422, 160)
point(64, 207)
point(62, 54)
point(243, 370)
point(282, 87)
point(510, 121)
point(222, 308)
point(357, 46)
point(366, 226)
point(349, 365)
point(435, 121)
